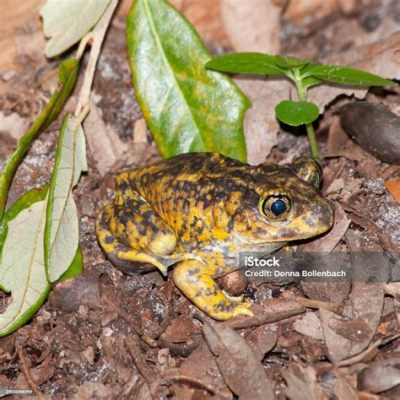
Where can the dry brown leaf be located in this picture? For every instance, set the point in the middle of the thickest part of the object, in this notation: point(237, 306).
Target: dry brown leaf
point(200, 366)
point(298, 11)
point(252, 25)
point(205, 15)
point(13, 124)
point(309, 325)
point(262, 340)
point(15, 42)
point(260, 124)
point(238, 363)
point(302, 383)
point(348, 335)
point(394, 189)
point(104, 144)
point(380, 376)
point(343, 389)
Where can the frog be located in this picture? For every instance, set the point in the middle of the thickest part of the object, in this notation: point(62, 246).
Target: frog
point(196, 212)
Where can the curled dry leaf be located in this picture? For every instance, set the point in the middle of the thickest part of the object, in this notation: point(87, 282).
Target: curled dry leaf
point(380, 376)
point(252, 25)
point(238, 363)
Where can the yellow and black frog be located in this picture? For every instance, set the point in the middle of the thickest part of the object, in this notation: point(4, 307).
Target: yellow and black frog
point(198, 211)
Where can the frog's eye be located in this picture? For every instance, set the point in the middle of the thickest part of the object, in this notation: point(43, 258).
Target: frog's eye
point(275, 206)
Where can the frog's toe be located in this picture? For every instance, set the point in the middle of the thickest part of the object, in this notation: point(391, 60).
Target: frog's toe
point(226, 309)
point(243, 309)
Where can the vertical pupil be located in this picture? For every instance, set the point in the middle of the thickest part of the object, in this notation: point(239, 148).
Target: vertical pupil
point(278, 207)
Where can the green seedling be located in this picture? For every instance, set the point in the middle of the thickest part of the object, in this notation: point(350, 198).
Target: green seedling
point(303, 74)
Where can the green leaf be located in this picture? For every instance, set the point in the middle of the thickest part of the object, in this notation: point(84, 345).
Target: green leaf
point(75, 268)
point(345, 75)
point(62, 227)
point(310, 81)
point(255, 63)
point(289, 62)
point(22, 269)
point(67, 21)
point(186, 107)
point(247, 63)
point(30, 197)
point(296, 113)
point(68, 73)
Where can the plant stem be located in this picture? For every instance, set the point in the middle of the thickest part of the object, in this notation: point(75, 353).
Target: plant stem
point(302, 93)
point(96, 37)
point(312, 141)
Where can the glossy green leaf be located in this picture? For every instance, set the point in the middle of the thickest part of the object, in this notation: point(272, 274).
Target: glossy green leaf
point(255, 63)
point(62, 227)
point(76, 267)
point(22, 270)
point(65, 22)
point(310, 81)
point(288, 62)
point(247, 63)
point(186, 107)
point(345, 75)
point(68, 72)
point(296, 113)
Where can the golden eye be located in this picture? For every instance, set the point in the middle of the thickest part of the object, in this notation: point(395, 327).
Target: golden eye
point(275, 206)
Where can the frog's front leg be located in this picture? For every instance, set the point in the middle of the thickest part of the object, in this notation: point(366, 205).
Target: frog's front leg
point(196, 281)
point(130, 232)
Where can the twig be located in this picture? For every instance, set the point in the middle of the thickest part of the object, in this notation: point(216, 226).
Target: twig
point(277, 312)
point(27, 373)
point(310, 303)
point(359, 357)
point(134, 350)
point(189, 380)
point(97, 38)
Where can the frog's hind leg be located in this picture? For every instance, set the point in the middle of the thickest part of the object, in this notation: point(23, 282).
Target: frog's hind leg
point(130, 232)
point(192, 279)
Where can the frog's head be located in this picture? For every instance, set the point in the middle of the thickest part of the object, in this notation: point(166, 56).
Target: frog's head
point(283, 203)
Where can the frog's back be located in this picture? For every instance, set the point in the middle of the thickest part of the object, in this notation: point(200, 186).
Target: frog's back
point(184, 166)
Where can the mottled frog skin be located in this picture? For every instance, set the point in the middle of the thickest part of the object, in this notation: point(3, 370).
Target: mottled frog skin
point(198, 211)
